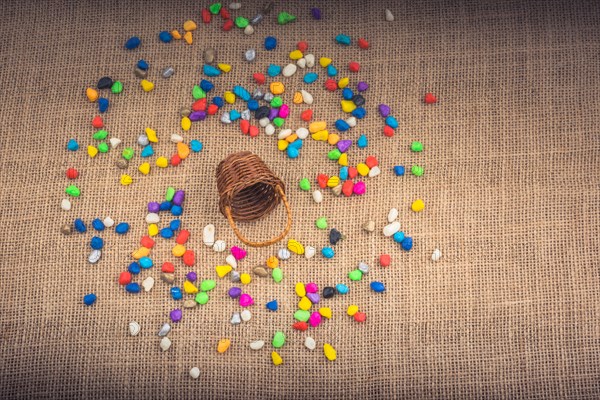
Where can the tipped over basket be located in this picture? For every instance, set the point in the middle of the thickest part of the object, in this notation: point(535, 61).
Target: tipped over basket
point(248, 191)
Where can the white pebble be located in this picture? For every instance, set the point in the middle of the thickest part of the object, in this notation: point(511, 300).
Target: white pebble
point(152, 218)
point(249, 30)
point(302, 133)
point(245, 115)
point(268, 96)
point(175, 138)
point(284, 133)
point(208, 235)
point(235, 6)
point(317, 196)
point(134, 328)
point(284, 254)
point(310, 343)
point(264, 122)
point(219, 246)
point(230, 259)
point(310, 60)
point(65, 204)
point(374, 171)
point(392, 228)
point(246, 315)
point(393, 215)
point(164, 331)
point(389, 16)
point(351, 121)
point(195, 373)
point(437, 254)
point(114, 142)
point(257, 344)
point(309, 251)
point(250, 54)
point(225, 118)
point(143, 140)
point(235, 318)
point(269, 129)
point(301, 62)
point(94, 256)
point(148, 284)
point(108, 222)
point(306, 97)
point(363, 267)
point(165, 343)
point(289, 70)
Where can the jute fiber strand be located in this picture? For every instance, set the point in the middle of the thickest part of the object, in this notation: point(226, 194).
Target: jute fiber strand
point(511, 189)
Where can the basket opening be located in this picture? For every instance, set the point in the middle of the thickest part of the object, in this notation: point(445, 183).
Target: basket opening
point(257, 200)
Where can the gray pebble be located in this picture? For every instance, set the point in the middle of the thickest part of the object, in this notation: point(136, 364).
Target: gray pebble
point(168, 72)
point(236, 319)
point(164, 331)
point(143, 140)
point(363, 267)
point(245, 114)
point(66, 229)
point(209, 56)
point(256, 20)
point(185, 112)
point(235, 276)
point(225, 118)
point(250, 54)
point(122, 163)
point(267, 8)
point(140, 73)
point(268, 97)
point(258, 95)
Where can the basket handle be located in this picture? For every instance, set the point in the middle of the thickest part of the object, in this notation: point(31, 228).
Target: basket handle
point(270, 241)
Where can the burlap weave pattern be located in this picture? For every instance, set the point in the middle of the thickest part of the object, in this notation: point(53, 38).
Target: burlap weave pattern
point(511, 187)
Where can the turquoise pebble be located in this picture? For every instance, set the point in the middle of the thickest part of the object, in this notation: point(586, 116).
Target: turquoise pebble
point(398, 237)
point(72, 145)
point(377, 287)
point(89, 299)
point(328, 252)
point(341, 288)
point(133, 287)
point(362, 142)
point(273, 70)
point(292, 152)
point(272, 305)
point(196, 146)
point(147, 151)
point(145, 262)
point(331, 70)
point(122, 228)
point(234, 115)
point(209, 70)
point(297, 144)
point(242, 93)
point(176, 293)
point(311, 77)
point(343, 39)
point(391, 122)
point(344, 173)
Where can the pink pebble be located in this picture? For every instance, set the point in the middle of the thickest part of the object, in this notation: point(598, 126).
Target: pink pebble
point(359, 188)
point(284, 111)
point(311, 287)
point(238, 253)
point(246, 300)
point(315, 319)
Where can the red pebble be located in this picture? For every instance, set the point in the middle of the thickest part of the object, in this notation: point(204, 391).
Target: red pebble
point(253, 131)
point(97, 122)
point(352, 172)
point(183, 236)
point(124, 278)
point(189, 258)
point(353, 66)
point(228, 25)
point(212, 109)
point(388, 131)
point(225, 13)
point(300, 326)
point(430, 98)
point(322, 180)
point(245, 126)
point(168, 268)
point(363, 44)
point(306, 115)
point(385, 260)
point(371, 161)
point(72, 173)
point(331, 85)
point(302, 46)
point(175, 160)
point(347, 188)
point(259, 78)
point(147, 242)
point(206, 16)
point(360, 317)
point(199, 105)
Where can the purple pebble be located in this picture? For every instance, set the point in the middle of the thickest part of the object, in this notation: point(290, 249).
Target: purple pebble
point(235, 292)
point(313, 297)
point(362, 86)
point(176, 315)
point(273, 113)
point(344, 145)
point(153, 207)
point(178, 197)
point(316, 13)
point(197, 116)
point(191, 276)
point(384, 110)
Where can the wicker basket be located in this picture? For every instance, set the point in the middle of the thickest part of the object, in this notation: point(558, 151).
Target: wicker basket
point(249, 190)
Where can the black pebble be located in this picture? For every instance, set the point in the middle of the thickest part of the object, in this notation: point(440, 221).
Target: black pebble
point(359, 100)
point(328, 292)
point(261, 112)
point(334, 236)
point(105, 83)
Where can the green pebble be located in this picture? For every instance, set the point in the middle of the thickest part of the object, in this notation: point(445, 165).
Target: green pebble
point(278, 339)
point(198, 93)
point(417, 170)
point(72, 191)
point(214, 8)
point(117, 87)
point(208, 285)
point(100, 135)
point(334, 154)
point(127, 153)
point(241, 22)
point(284, 18)
point(417, 147)
point(201, 298)
point(277, 275)
point(170, 194)
point(355, 275)
point(276, 102)
point(302, 315)
point(103, 147)
point(321, 223)
point(305, 184)
point(278, 122)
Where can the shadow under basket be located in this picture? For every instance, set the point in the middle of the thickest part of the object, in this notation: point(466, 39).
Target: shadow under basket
point(248, 190)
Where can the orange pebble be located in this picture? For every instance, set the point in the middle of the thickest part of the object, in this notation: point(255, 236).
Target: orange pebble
point(333, 138)
point(92, 94)
point(188, 37)
point(176, 34)
point(183, 150)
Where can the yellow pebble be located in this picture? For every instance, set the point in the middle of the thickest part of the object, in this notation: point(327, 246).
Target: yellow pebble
point(333, 139)
point(178, 250)
point(92, 94)
point(224, 67)
point(317, 126)
point(189, 25)
point(186, 123)
point(343, 82)
point(272, 262)
point(295, 247)
point(324, 61)
point(304, 304)
point(300, 289)
point(229, 97)
point(176, 34)
point(282, 144)
point(151, 134)
point(277, 88)
point(223, 345)
point(353, 309)
point(363, 169)
point(223, 270)
point(330, 352)
point(333, 181)
point(343, 160)
point(147, 85)
point(144, 168)
point(183, 150)
point(296, 55)
point(162, 162)
point(141, 252)
point(418, 205)
point(92, 151)
point(152, 230)
point(325, 312)
point(298, 98)
point(245, 278)
point(320, 135)
point(348, 106)
point(277, 360)
point(189, 287)
point(126, 180)
point(189, 39)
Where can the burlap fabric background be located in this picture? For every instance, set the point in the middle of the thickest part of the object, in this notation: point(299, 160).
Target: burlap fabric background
point(511, 187)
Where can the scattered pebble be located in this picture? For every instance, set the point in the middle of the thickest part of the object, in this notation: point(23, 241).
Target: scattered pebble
point(134, 328)
point(195, 372)
point(437, 254)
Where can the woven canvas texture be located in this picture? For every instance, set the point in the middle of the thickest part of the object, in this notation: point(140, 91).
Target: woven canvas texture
point(511, 187)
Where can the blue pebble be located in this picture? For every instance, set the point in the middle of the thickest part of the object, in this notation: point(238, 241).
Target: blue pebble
point(147, 151)
point(196, 146)
point(253, 105)
point(165, 206)
point(79, 226)
point(341, 125)
point(270, 43)
point(343, 39)
point(165, 37)
point(292, 152)
point(176, 293)
point(341, 288)
point(347, 94)
point(166, 233)
point(344, 173)
point(98, 225)
point(242, 93)
point(407, 243)
point(331, 70)
point(122, 228)
point(89, 299)
point(391, 122)
point(176, 210)
point(145, 262)
point(72, 145)
point(272, 305)
point(102, 104)
point(205, 85)
point(399, 170)
point(297, 144)
point(273, 70)
point(359, 112)
point(96, 243)
point(234, 115)
point(398, 237)
point(209, 70)
point(134, 268)
point(218, 101)
point(175, 224)
point(362, 142)
point(133, 287)
point(143, 65)
point(132, 43)
point(310, 77)
point(377, 286)
point(328, 252)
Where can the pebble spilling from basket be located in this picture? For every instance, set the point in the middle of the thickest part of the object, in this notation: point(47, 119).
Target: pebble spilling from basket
point(260, 109)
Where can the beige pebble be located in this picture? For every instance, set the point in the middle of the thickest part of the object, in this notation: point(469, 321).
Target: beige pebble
point(301, 63)
point(175, 138)
point(309, 251)
point(337, 190)
point(152, 218)
point(65, 204)
point(219, 246)
point(230, 259)
point(389, 16)
point(317, 196)
point(169, 278)
point(189, 303)
point(209, 55)
point(195, 372)
point(260, 271)
point(310, 60)
point(306, 97)
point(392, 215)
point(134, 328)
point(235, 6)
point(122, 163)
point(257, 344)
point(148, 284)
point(263, 122)
point(302, 133)
point(284, 133)
point(269, 129)
point(369, 226)
point(392, 228)
point(289, 70)
point(114, 142)
point(373, 172)
point(246, 315)
point(249, 30)
point(165, 343)
point(66, 229)
point(208, 235)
